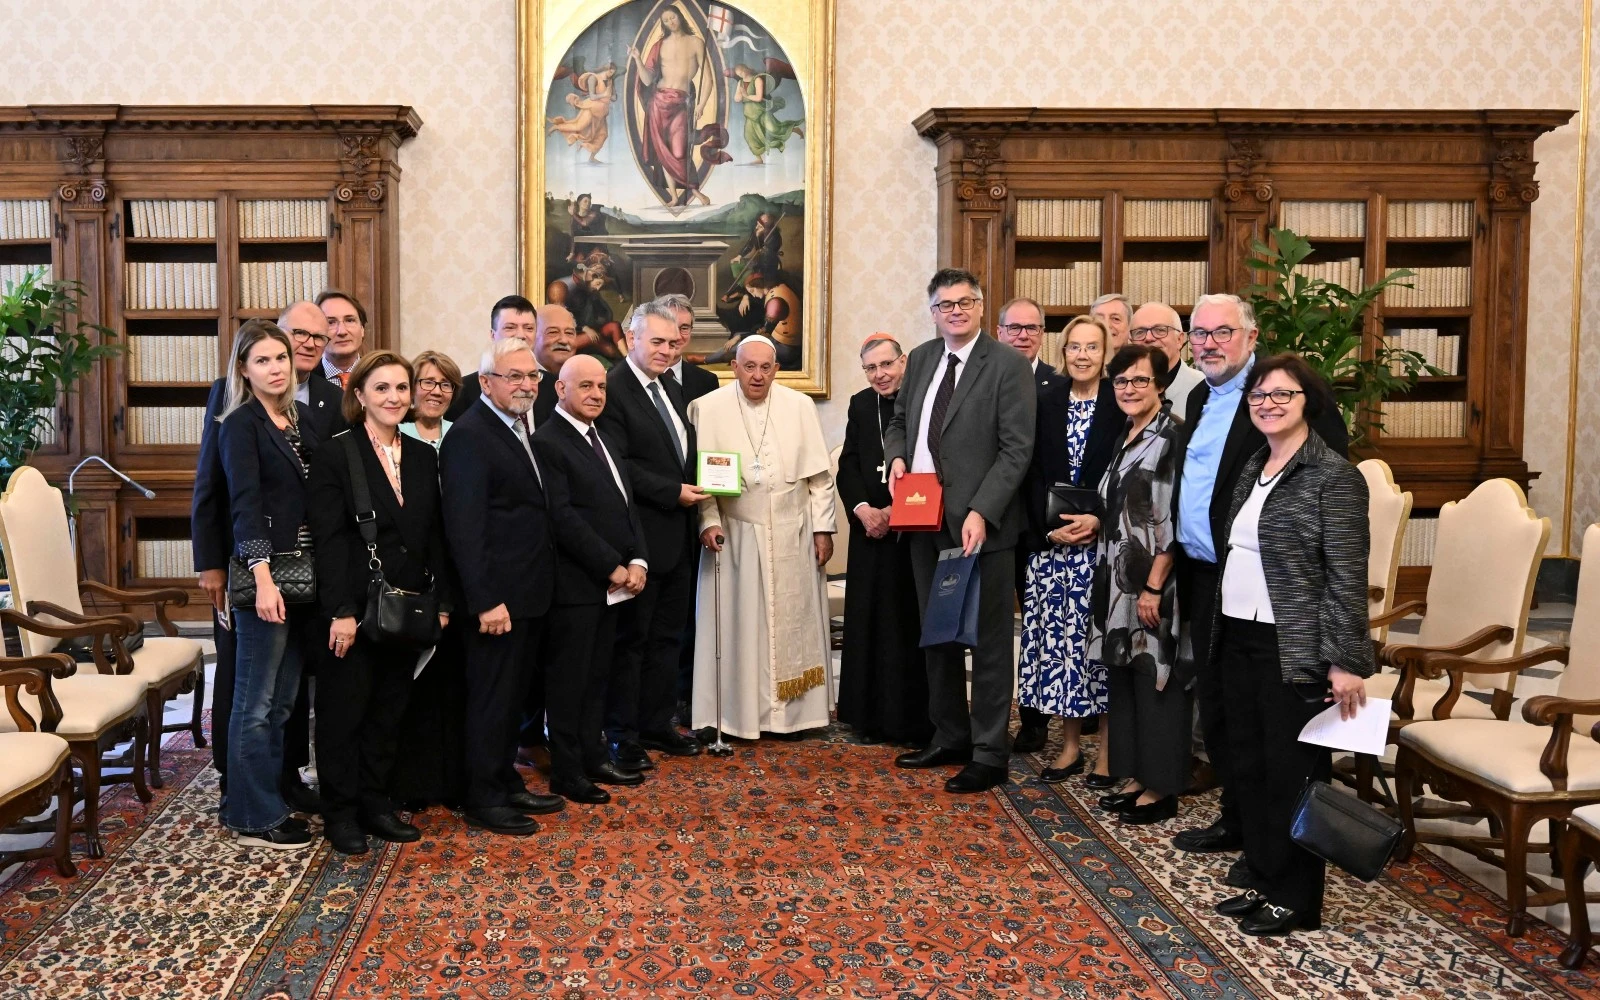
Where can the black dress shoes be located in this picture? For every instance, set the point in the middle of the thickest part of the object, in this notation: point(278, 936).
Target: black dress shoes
point(670, 742)
point(630, 756)
point(1209, 840)
point(1054, 774)
point(1030, 739)
point(934, 756)
point(1158, 811)
point(535, 805)
point(300, 797)
point(1100, 782)
point(1272, 921)
point(1118, 802)
point(976, 777)
point(1239, 875)
point(500, 819)
point(610, 774)
point(580, 790)
point(346, 837)
point(389, 827)
point(1242, 905)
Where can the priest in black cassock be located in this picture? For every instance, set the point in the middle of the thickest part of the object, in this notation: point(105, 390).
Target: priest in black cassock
point(883, 677)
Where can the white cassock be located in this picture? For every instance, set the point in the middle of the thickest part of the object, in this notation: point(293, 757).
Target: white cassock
point(774, 599)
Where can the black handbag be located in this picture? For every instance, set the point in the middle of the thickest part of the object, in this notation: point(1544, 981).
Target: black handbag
point(294, 572)
point(1345, 831)
point(392, 615)
point(1065, 498)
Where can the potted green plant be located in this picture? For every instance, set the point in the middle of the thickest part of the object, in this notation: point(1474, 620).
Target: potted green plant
point(1324, 323)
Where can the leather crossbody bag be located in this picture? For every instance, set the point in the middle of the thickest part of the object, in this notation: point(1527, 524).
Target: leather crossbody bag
point(392, 615)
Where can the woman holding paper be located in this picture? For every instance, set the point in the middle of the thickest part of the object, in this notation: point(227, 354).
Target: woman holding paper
point(1296, 558)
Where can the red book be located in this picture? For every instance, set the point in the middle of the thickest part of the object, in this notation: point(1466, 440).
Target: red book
point(918, 503)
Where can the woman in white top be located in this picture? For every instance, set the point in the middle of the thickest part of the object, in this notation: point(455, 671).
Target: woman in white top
point(438, 381)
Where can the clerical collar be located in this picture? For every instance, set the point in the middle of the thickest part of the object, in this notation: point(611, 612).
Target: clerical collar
point(1237, 382)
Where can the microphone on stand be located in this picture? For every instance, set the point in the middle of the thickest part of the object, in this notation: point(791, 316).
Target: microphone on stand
point(149, 494)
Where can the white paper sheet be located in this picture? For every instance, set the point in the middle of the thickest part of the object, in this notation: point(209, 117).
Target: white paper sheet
point(619, 595)
point(1366, 733)
point(422, 661)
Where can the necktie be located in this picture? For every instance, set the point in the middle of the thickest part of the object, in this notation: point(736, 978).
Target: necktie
point(941, 403)
point(521, 429)
point(344, 379)
point(600, 452)
point(666, 418)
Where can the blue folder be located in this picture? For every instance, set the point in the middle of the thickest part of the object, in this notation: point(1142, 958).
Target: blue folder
point(951, 617)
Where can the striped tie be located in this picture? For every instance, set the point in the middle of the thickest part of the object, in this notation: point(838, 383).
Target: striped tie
point(941, 404)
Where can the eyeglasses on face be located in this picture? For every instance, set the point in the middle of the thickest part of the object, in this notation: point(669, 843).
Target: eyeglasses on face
point(947, 306)
point(881, 366)
point(1015, 329)
point(306, 336)
point(1219, 335)
point(436, 385)
point(515, 379)
point(1139, 333)
point(1137, 381)
point(1091, 347)
point(1282, 397)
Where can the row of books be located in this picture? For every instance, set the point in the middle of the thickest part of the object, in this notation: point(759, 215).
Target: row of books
point(15, 274)
point(1424, 420)
point(170, 285)
point(273, 284)
point(172, 359)
point(173, 220)
point(47, 430)
point(165, 424)
point(25, 219)
point(1345, 273)
point(1062, 218)
point(1073, 285)
point(1416, 548)
point(1432, 288)
point(1325, 219)
point(1412, 219)
point(1166, 217)
point(164, 558)
point(284, 219)
point(1175, 282)
point(1442, 352)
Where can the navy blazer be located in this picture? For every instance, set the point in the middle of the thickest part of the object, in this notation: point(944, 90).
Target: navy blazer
point(410, 537)
point(597, 528)
point(1052, 462)
point(472, 390)
point(697, 382)
point(267, 489)
point(496, 518)
point(653, 471)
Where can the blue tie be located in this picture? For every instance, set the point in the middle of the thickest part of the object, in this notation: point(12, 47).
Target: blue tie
point(666, 418)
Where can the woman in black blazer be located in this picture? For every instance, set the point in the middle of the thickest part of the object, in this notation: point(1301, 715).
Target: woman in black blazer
point(266, 441)
point(363, 686)
point(1078, 428)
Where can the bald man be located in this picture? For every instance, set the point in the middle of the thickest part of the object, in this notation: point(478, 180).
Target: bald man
point(1159, 324)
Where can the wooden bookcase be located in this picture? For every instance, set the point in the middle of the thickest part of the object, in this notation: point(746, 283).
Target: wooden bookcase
point(1184, 192)
point(181, 223)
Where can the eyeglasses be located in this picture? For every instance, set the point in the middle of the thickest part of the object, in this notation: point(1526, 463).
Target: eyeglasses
point(436, 385)
point(1139, 333)
point(948, 306)
point(316, 339)
point(1137, 381)
point(515, 379)
point(1093, 347)
point(1221, 335)
point(1016, 328)
point(881, 366)
point(1280, 396)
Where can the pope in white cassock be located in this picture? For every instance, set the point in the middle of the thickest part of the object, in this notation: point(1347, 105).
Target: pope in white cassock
point(774, 540)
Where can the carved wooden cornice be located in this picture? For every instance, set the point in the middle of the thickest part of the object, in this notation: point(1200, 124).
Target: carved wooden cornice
point(396, 120)
point(937, 123)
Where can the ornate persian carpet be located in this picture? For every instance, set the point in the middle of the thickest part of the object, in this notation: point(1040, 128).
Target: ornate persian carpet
point(803, 869)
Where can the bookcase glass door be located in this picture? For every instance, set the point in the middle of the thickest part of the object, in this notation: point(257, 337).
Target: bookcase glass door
point(27, 247)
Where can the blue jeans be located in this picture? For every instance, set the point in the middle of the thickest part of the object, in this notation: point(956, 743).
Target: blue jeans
point(266, 679)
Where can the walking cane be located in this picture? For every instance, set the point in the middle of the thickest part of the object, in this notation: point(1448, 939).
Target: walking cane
point(719, 748)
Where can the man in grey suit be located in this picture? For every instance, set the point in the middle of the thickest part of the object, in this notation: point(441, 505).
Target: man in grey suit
point(966, 412)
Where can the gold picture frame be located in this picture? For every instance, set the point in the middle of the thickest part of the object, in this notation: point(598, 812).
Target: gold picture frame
point(643, 228)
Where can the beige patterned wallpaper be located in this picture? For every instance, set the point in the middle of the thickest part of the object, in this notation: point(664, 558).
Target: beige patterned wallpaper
point(455, 61)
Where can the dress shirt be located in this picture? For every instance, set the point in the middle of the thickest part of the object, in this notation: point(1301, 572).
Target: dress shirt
point(1244, 581)
point(333, 371)
point(410, 428)
point(677, 370)
point(514, 422)
point(584, 427)
point(647, 381)
point(1200, 465)
point(922, 458)
point(302, 389)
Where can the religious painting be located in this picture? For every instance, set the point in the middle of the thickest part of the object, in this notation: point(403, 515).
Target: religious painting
point(681, 146)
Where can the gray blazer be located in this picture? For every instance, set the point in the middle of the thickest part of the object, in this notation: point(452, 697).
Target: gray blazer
point(988, 433)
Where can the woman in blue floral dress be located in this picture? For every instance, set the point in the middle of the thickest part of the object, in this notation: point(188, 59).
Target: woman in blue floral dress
point(1077, 431)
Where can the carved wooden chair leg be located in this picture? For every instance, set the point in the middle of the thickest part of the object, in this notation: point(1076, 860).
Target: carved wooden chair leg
point(153, 710)
point(1495, 829)
point(88, 754)
point(196, 721)
point(1516, 826)
point(1402, 795)
point(1364, 780)
point(141, 736)
point(63, 844)
point(1574, 866)
point(1556, 840)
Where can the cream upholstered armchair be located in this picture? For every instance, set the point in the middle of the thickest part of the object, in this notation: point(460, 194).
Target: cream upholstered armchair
point(45, 584)
point(841, 557)
point(35, 763)
point(1519, 772)
point(1388, 511)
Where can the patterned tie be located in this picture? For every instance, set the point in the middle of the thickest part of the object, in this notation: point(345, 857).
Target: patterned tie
point(941, 403)
point(666, 418)
point(344, 379)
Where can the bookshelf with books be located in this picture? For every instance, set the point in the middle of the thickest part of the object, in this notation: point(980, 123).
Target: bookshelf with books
point(1445, 194)
point(182, 223)
point(28, 247)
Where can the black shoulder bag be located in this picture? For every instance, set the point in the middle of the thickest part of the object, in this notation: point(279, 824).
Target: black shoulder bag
point(400, 617)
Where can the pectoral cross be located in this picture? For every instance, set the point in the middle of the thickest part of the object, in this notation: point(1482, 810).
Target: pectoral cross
point(755, 470)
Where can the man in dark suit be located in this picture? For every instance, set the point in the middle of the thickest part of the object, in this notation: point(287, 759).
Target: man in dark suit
point(966, 413)
point(346, 318)
point(647, 416)
point(694, 380)
point(512, 316)
point(600, 552)
point(554, 342)
point(496, 518)
point(1022, 326)
point(211, 528)
point(1219, 439)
